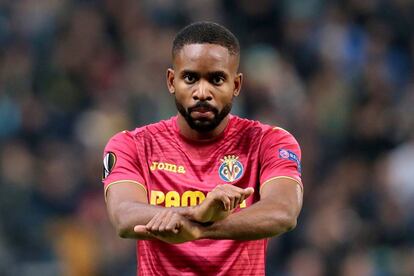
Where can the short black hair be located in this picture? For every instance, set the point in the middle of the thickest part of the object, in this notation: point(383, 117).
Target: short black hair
point(206, 32)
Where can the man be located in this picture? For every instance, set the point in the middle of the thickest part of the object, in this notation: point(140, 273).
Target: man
point(203, 190)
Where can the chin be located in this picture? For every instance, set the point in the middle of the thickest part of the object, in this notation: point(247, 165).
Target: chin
point(203, 126)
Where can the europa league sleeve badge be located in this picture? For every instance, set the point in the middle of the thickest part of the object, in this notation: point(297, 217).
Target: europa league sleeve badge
point(108, 164)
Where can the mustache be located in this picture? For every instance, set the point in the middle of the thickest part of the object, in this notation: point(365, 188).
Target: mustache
point(204, 105)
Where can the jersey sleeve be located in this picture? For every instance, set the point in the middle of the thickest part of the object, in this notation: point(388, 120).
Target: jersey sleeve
point(280, 156)
point(121, 162)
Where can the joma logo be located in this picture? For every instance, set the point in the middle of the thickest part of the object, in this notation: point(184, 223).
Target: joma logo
point(162, 166)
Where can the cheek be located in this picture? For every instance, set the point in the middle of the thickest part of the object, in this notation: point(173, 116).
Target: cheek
point(226, 96)
point(182, 89)
point(183, 97)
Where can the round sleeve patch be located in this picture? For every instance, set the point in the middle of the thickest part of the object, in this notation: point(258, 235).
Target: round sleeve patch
point(108, 164)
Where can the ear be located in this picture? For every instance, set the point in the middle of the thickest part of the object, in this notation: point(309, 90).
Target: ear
point(170, 80)
point(238, 80)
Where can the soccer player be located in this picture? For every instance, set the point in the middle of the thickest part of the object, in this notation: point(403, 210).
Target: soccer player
point(202, 191)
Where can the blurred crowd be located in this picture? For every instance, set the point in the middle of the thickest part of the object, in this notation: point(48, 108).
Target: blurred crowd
point(337, 74)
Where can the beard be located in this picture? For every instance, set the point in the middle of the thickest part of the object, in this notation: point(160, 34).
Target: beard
point(203, 125)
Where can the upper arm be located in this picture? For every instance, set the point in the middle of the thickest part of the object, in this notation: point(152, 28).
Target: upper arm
point(123, 192)
point(121, 163)
point(122, 173)
point(285, 193)
point(280, 175)
point(280, 157)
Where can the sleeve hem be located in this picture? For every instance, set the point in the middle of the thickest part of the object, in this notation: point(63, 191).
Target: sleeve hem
point(123, 181)
point(281, 177)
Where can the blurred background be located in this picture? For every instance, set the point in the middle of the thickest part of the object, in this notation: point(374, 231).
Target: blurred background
point(337, 74)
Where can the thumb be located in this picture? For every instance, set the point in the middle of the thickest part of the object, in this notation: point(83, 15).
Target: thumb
point(249, 191)
point(141, 229)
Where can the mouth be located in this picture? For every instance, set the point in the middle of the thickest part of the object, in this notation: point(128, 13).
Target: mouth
point(202, 112)
point(202, 109)
point(202, 115)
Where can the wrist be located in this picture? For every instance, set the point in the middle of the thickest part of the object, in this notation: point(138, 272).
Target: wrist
point(205, 230)
point(196, 214)
point(189, 213)
point(201, 232)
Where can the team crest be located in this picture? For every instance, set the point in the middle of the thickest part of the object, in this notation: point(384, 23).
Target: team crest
point(108, 164)
point(231, 169)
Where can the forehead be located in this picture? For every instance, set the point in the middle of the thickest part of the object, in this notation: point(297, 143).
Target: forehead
point(205, 57)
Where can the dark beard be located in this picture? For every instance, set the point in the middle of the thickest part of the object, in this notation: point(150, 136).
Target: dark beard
point(205, 125)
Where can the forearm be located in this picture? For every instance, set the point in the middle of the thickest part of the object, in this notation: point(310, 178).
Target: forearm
point(263, 219)
point(129, 214)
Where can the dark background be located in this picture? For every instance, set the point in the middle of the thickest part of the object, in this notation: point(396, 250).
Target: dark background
point(337, 74)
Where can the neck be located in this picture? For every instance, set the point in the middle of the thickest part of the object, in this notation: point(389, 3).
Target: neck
point(192, 134)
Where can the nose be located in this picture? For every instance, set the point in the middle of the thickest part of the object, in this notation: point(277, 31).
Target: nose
point(202, 92)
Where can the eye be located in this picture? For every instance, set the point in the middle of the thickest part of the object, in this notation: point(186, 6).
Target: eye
point(189, 78)
point(217, 80)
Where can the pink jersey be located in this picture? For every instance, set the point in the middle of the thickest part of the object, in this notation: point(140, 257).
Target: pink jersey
point(176, 171)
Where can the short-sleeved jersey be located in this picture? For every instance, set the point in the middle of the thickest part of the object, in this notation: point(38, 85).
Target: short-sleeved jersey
point(177, 172)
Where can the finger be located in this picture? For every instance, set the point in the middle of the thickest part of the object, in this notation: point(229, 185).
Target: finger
point(235, 192)
point(140, 229)
point(226, 201)
point(152, 221)
point(152, 226)
point(232, 193)
point(240, 194)
point(156, 226)
point(231, 196)
point(248, 192)
point(219, 194)
point(236, 201)
point(239, 199)
point(234, 197)
point(232, 188)
point(242, 198)
point(176, 230)
point(164, 222)
point(174, 224)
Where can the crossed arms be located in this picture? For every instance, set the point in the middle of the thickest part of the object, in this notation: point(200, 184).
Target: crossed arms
point(275, 213)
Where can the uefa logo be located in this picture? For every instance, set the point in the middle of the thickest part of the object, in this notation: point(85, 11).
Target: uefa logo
point(283, 154)
point(231, 169)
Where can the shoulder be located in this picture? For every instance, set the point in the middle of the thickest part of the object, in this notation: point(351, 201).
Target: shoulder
point(156, 128)
point(268, 135)
point(279, 134)
point(280, 140)
point(243, 125)
point(133, 139)
point(265, 131)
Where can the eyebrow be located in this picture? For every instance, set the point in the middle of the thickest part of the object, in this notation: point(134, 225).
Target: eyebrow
point(209, 74)
point(188, 72)
point(218, 73)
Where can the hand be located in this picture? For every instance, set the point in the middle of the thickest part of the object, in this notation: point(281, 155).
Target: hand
point(220, 202)
point(171, 227)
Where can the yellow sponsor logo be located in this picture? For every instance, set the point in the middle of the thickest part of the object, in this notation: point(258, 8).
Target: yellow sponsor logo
point(174, 199)
point(162, 166)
